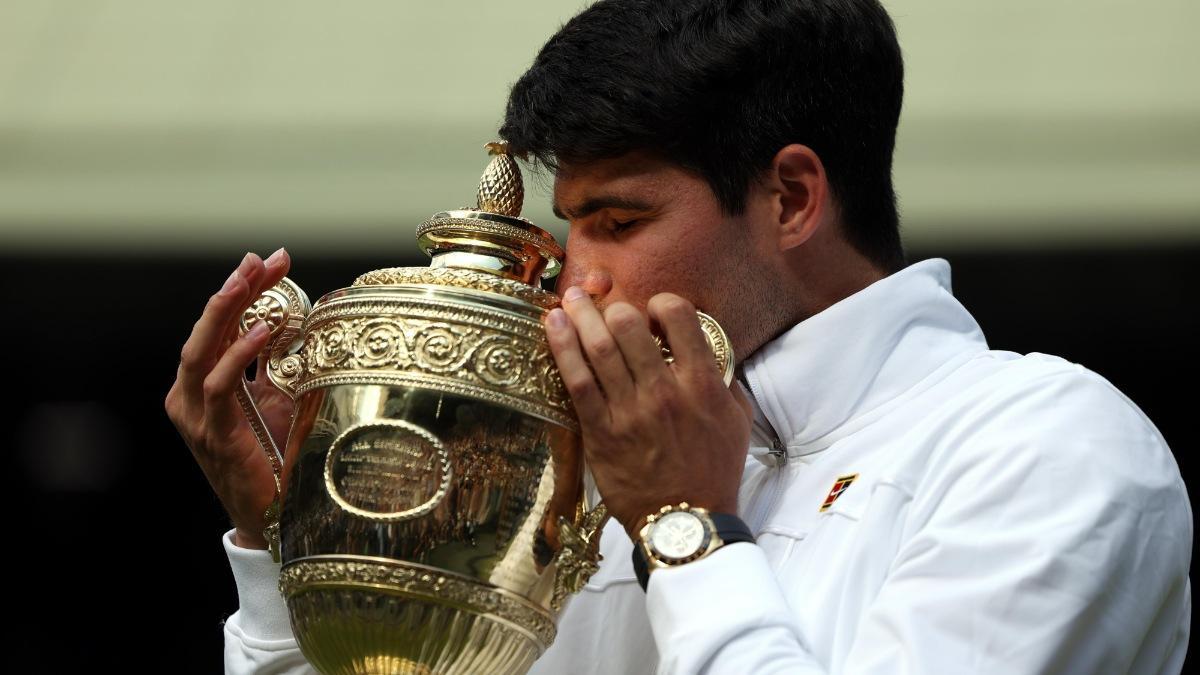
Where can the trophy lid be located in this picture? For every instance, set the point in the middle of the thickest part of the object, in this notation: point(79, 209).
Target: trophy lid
point(493, 237)
point(487, 247)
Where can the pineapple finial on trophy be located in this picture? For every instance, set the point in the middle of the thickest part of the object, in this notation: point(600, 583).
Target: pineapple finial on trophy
point(501, 189)
point(492, 237)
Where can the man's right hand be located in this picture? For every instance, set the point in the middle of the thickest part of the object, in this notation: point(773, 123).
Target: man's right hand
point(203, 401)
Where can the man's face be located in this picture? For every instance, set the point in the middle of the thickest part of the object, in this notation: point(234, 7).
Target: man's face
point(641, 226)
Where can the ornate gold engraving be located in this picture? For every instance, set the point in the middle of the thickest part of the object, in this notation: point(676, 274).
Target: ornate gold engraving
point(270, 307)
point(284, 308)
point(580, 555)
point(420, 582)
point(477, 223)
point(491, 355)
point(501, 189)
point(715, 336)
point(459, 278)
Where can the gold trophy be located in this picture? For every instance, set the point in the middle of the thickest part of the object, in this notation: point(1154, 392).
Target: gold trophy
point(431, 512)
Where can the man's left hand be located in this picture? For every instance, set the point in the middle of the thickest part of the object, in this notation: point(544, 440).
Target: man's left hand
point(653, 433)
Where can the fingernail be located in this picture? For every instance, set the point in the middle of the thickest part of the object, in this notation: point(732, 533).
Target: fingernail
point(230, 283)
point(244, 266)
point(573, 293)
point(275, 258)
point(556, 319)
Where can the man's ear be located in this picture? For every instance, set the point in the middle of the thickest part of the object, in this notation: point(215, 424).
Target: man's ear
point(798, 177)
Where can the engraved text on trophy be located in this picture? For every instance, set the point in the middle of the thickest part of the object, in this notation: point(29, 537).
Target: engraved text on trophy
point(388, 471)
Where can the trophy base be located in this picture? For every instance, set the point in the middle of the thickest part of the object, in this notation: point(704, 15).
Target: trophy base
point(356, 615)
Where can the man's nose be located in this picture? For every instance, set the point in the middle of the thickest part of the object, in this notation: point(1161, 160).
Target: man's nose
point(583, 270)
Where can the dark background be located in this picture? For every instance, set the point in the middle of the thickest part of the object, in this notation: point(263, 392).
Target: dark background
point(118, 561)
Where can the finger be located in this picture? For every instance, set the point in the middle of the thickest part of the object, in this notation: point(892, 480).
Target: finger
point(275, 267)
point(261, 274)
point(254, 274)
point(207, 340)
point(642, 355)
point(739, 397)
point(573, 368)
point(599, 345)
point(260, 374)
point(220, 404)
point(677, 318)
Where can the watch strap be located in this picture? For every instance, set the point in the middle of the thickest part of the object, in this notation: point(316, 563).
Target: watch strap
point(729, 529)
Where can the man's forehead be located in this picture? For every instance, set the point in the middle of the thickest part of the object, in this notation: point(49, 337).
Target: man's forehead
point(569, 209)
point(629, 182)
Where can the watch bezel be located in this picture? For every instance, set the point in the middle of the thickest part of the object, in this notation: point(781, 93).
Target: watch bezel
point(658, 558)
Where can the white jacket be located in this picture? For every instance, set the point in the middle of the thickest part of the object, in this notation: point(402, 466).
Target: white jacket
point(1010, 514)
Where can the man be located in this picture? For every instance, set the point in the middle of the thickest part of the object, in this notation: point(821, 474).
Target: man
point(911, 500)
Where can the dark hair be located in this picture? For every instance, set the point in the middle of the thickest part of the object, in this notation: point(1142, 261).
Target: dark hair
point(718, 87)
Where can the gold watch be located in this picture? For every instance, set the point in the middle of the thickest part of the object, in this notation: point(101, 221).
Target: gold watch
point(681, 534)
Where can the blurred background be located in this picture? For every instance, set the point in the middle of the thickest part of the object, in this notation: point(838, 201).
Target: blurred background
point(1049, 149)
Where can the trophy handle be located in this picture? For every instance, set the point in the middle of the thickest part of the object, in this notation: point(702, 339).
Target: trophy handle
point(283, 307)
point(717, 340)
point(579, 558)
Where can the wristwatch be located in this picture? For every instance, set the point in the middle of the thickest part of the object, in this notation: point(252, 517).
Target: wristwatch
point(677, 535)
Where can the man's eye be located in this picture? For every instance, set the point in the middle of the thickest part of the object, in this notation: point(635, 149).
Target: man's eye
point(621, 225)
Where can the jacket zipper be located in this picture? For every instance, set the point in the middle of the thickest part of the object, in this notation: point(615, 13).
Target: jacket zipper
point(778, 449)
point(766, 504)
point(770, 496)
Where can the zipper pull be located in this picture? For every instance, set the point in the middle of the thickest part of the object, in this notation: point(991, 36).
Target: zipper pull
point(779, 452)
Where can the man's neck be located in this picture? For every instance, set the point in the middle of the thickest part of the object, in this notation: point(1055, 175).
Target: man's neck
point(812, 280)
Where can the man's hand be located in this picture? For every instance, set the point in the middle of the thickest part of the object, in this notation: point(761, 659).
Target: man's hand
point(203, 404)
point(653, 434)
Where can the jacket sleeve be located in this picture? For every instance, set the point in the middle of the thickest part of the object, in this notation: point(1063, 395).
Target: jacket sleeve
point(258, 636)
point(725, 614)
point(1050, 540)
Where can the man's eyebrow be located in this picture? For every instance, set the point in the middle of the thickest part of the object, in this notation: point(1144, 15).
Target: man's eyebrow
point(594, 204)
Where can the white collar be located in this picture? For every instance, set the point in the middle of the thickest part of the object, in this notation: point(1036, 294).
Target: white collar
point(845, 366)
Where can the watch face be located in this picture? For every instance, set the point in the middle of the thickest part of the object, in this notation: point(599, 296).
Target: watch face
point(677, 535)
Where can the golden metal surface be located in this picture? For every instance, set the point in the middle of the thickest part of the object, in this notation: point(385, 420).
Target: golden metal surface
point(284, 307)
point(580, 556)
point(414, 462)
point(418, 582)
point(459, 278)
point(459, 341)
point(382, 617)
point(400, 511)
point(478, 224)
point(501, 189)
point(492, 237)
point(717, 340)
point(431, 511)
point(504, 245)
